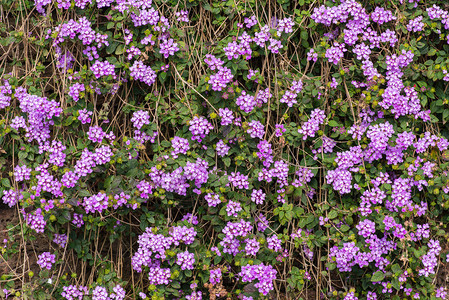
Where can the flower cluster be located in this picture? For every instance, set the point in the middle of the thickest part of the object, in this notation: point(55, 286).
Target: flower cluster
point(139, 71)
point(199, 127)
point(46, 260)
point(73, 292)
point(103, 68)
point(264, 274)
point(310, 127)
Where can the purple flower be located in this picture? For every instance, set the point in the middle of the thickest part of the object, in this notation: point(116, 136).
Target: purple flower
point(56, 154)
point(233, 208)
point(18, 122)
point(91, 53)
point(380, 15)
point(84, 116)
point(46, 260)
point(290, 98)
point(77, 220)
point(216, 250)
point(147, 16)
point(279, 130)
point(22, 173)
point(213, 62)
point(100, 293)
point(285, 25)
point(183, 234)
point(195, 295)
point(212, 199)
point(73, 292)
point(252, 247)
point(96, 134)
point(120, 199)
point(312, 55)
point(310, 127)
point(132, 52)
point(168, 47)
point(180, 145)
point(262, 223)
point(274, 243)
point(335, 53)
point(215, 276)
point(256, 129)
point(104, 68)
point(232, 50)
point(226, 116)
point(60, 239)
point(182, 16)
point(120, 293)
point(350, 296)
point(250, 22)
point(263, 96)
point(199, 127)
point(98, 202)
point(246, 102)
point(36, 221)
point(185, 260)
point(139, 71)
point(148, 40)
point(157, 275)
point(252, 73)
point(258, 196)
point(340, 180)
point(75, 90)
point(264, 274)
point(222, 148)
point(441, 292)
point(238, 180)
point(64, 60)
point(366, 228)
point(262, 36)
point(362, 51)
point(219, 80)
point(11, 197)
point(304, 177)
point(415, 24)
point(190, 218)
point(140, 118)
point(275, 46)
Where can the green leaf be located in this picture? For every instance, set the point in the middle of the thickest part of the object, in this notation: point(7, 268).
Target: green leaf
point(176, 285)
point(344, 228)
point(111, 48)
point(166, 144)
point(226, 161)
point(217, 259)
point(396, 269)
point(23, 155)
point(120, 49)
point(210, 152)
point(334, 123)
point(310, 219)
point(6, 183)
point(333, 214)
point(378, 276)
point(107, 182)
point(84, 193)
point(162, 77)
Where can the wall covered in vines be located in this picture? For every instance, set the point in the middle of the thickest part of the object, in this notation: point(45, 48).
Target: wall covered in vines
point(234, 149)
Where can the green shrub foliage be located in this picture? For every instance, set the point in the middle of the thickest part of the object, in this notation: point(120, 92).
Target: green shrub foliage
point(224, 149)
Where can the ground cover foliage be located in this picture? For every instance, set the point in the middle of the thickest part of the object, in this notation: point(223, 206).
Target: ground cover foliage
point(224, 149)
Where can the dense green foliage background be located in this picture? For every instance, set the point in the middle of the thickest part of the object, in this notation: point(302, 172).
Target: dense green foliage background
point(309, 217)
